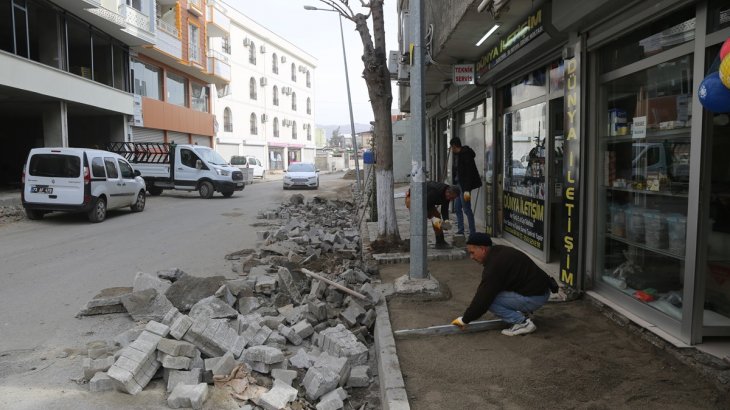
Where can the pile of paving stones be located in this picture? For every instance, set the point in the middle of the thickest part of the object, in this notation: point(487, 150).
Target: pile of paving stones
point(11, 213)
point(277, 337)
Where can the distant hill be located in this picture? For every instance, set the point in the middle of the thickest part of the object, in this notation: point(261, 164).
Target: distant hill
point(344, 129)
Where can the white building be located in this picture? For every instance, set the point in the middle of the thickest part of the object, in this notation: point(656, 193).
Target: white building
point(267, 110)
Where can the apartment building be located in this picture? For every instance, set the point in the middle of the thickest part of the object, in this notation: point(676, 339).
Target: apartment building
point(267, 109)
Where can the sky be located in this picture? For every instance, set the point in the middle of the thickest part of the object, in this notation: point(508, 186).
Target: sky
point(318, 34)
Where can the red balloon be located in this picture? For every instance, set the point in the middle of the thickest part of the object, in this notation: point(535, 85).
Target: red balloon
point(725, 49)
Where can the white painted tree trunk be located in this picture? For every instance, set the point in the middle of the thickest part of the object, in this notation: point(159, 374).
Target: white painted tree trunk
point(387, 222)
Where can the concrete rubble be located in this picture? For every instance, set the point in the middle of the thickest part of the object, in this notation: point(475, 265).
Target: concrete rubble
point(273, 337)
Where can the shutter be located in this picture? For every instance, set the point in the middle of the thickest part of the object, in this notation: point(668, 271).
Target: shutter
point(147, 135)
point(227, 150)
point(178, 137)
point(202, 140)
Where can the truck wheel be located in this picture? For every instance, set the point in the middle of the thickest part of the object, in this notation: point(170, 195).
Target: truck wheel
point(154, 190)
point(98, 212)
point(227, 194)
point(34, 214)
point(206, 190)
point(139, 205)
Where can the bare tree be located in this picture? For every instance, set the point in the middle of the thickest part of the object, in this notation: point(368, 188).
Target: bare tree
point(377, 79)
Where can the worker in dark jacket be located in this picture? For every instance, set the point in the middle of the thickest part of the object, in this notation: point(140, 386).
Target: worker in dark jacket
point(465, 175)
point(512, 286)
point(437, 193)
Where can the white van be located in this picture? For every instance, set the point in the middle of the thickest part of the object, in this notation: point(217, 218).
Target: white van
point(248, 161)
point(79, 180)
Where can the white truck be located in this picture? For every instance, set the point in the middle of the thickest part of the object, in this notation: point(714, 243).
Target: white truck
point(182, 167)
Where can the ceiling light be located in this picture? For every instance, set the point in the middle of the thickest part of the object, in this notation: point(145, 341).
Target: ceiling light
point(489, 33)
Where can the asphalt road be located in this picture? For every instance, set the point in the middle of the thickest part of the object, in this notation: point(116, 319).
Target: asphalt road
point(50, 268)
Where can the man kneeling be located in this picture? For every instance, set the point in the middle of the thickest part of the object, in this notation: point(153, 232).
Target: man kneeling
point(512, 286)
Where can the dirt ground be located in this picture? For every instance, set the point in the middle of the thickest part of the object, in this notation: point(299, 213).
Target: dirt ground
point(577, 359)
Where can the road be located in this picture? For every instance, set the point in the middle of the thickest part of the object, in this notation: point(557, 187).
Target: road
point(51, 268)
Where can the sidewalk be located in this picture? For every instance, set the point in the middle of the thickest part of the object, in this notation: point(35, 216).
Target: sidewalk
point(583, 355)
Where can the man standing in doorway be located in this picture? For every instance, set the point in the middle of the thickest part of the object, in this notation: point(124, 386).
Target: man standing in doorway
point(465, 175)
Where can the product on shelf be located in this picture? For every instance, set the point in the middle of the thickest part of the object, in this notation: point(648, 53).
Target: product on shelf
point(635, 222)
point(618, 221)
point(656, 229)
point(677, 229)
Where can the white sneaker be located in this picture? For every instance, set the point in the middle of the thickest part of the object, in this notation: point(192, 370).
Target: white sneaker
point(520, 328)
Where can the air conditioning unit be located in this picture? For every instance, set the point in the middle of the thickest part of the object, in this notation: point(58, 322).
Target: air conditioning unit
point(264, 117)
point(283, 59)
point(263, 49)
point(246, 42)
point(263, 81)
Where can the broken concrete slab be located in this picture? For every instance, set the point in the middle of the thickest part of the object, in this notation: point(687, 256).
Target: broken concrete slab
point(212, 307)
point(143, 281)
point(106, 302)
point(146, 305)
point(188, 290)
point(325, 375)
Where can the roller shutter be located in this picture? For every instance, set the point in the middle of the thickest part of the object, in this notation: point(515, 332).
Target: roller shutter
point(147, 135)
point(202, 140)
point(227, 150)
point(178, 137)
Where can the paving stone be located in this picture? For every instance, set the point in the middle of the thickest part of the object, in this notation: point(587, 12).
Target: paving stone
point(184, 395)
point(100, 383)
point(224, 365)
point(317, 289)
point(290, 335)
point(264, 354)
point(224, 294)
point(351, 314)
point(278, 397)
point(318, 308)
point(189, 377)
point(286, 376)
point(188, 290)
point(359, 376)
point(157, 328)
point(146, 305)
point(174, 362)
point(180, 326)
point(265, 284)
point(143, 281)
point(333, 400)
point(176, 348)
point(325, 375)
point(93, 366)
point(303, 328)
point(248, 304)
point(339, 341)
point(170, 316)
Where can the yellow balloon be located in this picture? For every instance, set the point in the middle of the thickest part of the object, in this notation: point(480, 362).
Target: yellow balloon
point(725, 71)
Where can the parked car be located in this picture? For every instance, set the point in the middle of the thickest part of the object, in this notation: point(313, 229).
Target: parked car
point(301, 174)
point(248, 161)
point(79, 180)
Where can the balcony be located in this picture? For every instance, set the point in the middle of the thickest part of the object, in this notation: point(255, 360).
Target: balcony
point(217, 21)
point(219, 66)
point(137, 23)
point(196, 7)
point(168, 39)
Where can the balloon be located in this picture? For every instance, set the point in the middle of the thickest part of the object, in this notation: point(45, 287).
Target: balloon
point(725, 71)
point(713, 95)
point(725, 49)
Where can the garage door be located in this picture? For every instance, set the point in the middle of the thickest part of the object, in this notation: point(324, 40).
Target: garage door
point(147, 135)
point(227, 150)
point(202, 140)
point(178, 137)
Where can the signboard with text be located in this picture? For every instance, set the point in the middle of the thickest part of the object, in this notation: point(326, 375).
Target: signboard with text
point(525, 32)
point(464, 74)
point(524, 218)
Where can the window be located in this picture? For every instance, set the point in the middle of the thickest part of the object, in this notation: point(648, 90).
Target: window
point(147, 80)
point(252, 53)
point(188, 157)
point(52, 165)
point(276, 127)
point(309, 132)
point(111, 168)
point(254, 124)
point(97, 168)
point(227, 120)
point(293, 72)
point(177, 89)
point(274, 63)
point(200, 97)
point(276, 95)
point(294, 101)
point(194, 41)
point(125, 169)
point(252, 88)
point(135, 4)
point(309, 79)
point(309, 105)
point(226, 45)
point(294, 130)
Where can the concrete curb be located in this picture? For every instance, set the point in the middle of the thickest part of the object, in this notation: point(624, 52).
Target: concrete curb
point(393, 394)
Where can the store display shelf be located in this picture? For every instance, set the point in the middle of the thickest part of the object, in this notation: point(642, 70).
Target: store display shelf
point(665, 252)
point(644, 191)
point(653, 135)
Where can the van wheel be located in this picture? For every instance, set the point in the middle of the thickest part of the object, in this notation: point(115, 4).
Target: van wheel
point(206, 190)
point(227, 194)
point(139, 205)
point(34, 214)
point(154, 190)
point(98, 212)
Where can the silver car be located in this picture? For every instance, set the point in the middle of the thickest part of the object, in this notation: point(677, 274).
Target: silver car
point(301, 175)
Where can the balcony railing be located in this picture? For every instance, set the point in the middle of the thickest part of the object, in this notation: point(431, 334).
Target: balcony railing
point(219, 24)
point(168, 42)
point(218, 65)
point(134, 17)
point(168, 28)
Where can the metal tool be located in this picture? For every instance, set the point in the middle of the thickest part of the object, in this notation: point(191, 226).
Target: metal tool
point(473, 327)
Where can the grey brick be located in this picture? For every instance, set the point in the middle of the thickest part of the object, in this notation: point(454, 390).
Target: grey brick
point(290, 334)
point(325, 375)
point(303, 329)
point(318, 308)
point(101, 382)
point(302, 360)
point(359, 377)
point(188, 396)
point(157, 328)
point(190, 377)
point(174, 362)
point(278, 397)
point(93, 366)
point(176, 348)
point(286, 376)
point(225, 365)
point(264, 354)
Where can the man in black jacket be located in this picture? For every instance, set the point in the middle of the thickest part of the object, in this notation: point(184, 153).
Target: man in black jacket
point(512, 286)
point(465, 175)
point(437, 193)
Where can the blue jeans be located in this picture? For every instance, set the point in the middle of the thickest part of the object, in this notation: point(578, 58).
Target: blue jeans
point(462, 207)
point(509, 306)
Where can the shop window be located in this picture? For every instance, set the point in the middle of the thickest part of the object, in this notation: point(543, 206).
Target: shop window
point(200, 97)
point(276, 127)
point(557, 76)
point(471, 114)
point(177, 89)
point(254, 124)
point(645, 147)
point(529, 87)
point(275, 91)
point(252, 91)
point(227, 120)
point(147, 80)
point(718, 15)
point(274, 63)
point(649, 40)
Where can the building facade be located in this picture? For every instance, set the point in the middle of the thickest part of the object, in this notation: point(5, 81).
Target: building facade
point(596, 156)
point(267, 110)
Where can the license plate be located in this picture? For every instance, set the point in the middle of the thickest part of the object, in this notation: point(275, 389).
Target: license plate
point(239, 183)
point(40, 189)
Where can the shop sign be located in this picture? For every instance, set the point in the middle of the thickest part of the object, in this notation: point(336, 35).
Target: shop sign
point(463, 74)
point(571, 173)
point(518, 38)
point(524, 218)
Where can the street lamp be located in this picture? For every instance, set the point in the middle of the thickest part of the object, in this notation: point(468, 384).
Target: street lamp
point(349, 97)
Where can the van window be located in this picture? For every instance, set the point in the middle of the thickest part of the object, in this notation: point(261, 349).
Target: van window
point(111, 169)
point(97, 168)
point(55, 165)
point(238, 160)
point(188, 158)
point(126, 170)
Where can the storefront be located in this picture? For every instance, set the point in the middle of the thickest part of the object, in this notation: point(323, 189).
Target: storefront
point(658, 230)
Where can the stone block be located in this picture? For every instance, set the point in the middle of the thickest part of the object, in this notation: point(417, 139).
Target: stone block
point(263, 354)
point(188, 290)
point(359, 376)
point(105, 302)
point(318, 308)
point(212, 308)
point(303, 329)
point(184, 395)
point(189, 377)
point(290, 335)
point(325, 375)
point(176, 348)
point(302, 360)
point(100, 383)
point(286, 376)
point(143, 281)
point(265, 284)
point(170, 316)
point(333, 400)
point(224, 365)
point(146, 305)
point(288, 285)
point(278, 397)
point(276, 340)
point(174, 362)
point(124, 380)
point(368, 320)
point(226, 295)
point(317, 289)
point(157, 328)
point(338, 341)
point(93, 366)
point(180, 326)
point(248, 304)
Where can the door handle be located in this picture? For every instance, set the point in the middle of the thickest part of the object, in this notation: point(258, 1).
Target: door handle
point(179, 169)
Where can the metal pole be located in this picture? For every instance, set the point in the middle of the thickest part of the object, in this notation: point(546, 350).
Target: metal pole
point(418, 266)
point(349, 101)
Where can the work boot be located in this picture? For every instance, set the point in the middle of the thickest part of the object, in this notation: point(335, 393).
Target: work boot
point(441, 242)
